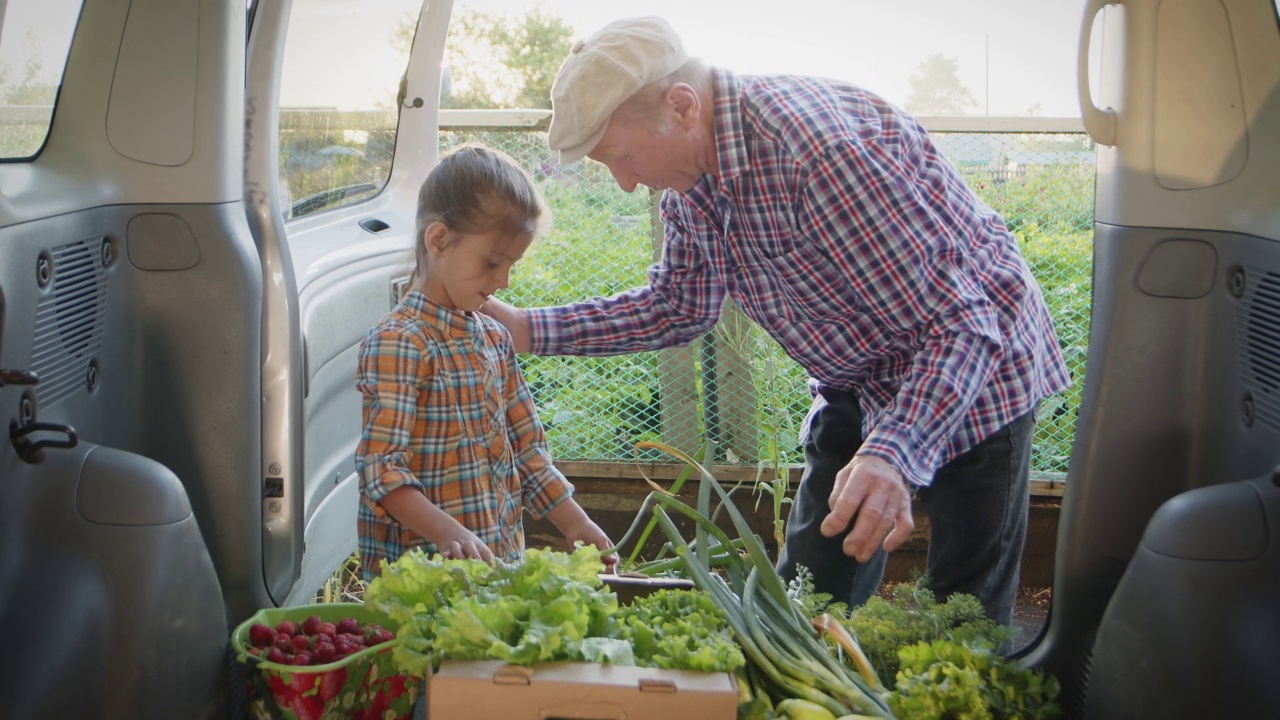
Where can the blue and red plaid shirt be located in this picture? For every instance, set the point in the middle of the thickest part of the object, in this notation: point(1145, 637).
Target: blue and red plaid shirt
point(447, 411)
point(837, 225)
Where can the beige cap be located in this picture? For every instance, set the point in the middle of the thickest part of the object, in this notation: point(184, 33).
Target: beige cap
point(601, 72)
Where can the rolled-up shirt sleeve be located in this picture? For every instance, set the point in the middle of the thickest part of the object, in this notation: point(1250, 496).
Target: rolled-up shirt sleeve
point(542, 485)
point(391, 369)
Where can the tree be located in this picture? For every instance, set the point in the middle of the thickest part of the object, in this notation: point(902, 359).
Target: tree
point(497, 61)
point(31, 88)
point(936, 88)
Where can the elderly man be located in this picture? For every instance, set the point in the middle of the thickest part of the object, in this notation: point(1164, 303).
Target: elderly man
point(833, 221)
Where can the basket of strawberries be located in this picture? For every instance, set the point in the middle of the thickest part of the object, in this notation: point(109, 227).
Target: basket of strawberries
point(323, 661)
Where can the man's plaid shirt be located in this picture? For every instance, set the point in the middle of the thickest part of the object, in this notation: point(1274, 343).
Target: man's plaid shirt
point(836, 224)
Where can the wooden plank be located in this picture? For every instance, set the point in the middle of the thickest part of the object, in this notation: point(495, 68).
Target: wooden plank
point(736, 386)
point(677, 371)
point(616, 477)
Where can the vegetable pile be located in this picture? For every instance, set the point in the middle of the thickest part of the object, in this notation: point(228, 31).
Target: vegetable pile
point(551, 607)
point(796, 655)
point(938, 660)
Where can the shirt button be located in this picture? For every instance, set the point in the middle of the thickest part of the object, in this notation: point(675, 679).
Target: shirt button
point(742, 269)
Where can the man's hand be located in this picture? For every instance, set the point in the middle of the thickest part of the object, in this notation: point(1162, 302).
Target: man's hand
point(515, 319)
point(873, 491)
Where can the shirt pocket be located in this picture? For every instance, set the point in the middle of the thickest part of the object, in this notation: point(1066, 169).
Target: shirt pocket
point(809, 283)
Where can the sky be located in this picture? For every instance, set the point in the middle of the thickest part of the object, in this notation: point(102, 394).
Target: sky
point(1013, 55)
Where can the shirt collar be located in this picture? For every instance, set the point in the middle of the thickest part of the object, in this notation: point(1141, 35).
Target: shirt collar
point(731, 132)
point(730, 139)
point(433, 314)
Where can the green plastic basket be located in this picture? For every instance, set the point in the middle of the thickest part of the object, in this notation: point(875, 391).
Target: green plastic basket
point(365, 684)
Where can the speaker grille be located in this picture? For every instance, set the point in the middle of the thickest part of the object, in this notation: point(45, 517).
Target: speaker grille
point(69, 320)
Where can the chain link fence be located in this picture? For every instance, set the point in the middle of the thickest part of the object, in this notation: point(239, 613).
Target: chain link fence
point(735, 389)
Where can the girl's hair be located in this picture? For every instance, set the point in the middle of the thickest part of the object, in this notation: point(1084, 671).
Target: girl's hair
point(476, 189)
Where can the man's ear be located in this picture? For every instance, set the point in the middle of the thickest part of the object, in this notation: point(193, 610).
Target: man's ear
point(685, 103)
point(436, 237)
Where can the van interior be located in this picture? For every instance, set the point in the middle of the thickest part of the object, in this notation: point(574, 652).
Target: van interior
point(178, 338)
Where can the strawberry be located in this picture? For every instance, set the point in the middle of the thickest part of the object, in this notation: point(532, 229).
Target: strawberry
point(275, 655)
point(261, 635)
point(301, 642)
point(348, 625)
point(396, 686)
point(284, 642)
point(279, 690)
point(324, 653)
point(311, 625)
point(307, 707)
point(287, 627)
point(378, 707)
point(302, 658)
point(331, 683)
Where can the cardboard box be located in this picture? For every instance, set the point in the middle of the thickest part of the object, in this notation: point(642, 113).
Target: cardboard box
point(493, 690)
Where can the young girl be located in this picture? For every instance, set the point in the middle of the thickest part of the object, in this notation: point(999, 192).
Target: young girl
point(452, 450)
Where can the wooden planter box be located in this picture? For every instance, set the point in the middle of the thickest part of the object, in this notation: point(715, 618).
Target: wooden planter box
point(612, 493)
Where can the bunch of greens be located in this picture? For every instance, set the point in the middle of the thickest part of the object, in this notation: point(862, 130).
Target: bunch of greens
point(945, 679)
point(679, 629)
point(913, 615)
point(535, 611)
point(785, 657)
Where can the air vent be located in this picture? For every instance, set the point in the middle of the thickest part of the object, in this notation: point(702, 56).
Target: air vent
point(1260, 344)
point(69, 320)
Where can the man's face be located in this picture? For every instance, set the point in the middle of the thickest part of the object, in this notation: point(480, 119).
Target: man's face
point(655, 151)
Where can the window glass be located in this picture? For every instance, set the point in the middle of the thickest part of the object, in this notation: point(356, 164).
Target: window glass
point(35, 36)
point(342, 67)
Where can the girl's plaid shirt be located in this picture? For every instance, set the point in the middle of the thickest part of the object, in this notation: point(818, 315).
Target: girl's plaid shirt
point(447, 411)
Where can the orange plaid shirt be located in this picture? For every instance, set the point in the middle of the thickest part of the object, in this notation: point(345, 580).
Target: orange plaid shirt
point(447, 411)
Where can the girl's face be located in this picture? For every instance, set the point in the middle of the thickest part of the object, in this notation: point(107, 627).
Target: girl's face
point(466, 268)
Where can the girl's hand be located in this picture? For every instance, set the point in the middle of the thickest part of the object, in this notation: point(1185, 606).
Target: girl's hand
point(460, 542)
point(574, 524)
point(591, 534)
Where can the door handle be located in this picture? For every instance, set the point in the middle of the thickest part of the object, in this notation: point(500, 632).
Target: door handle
point(31, 451)
point(18, 377)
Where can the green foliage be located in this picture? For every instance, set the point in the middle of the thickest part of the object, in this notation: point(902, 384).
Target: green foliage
point(499, 61)
point(810, 603)
point(522, 613)
point(26, 87)
point(913, 615)
point(679, 630)
point(951, 680)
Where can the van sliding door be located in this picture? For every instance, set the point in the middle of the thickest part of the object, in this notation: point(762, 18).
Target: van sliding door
point(337, 146)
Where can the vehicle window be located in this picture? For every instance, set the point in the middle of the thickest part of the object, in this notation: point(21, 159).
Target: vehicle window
point(35, 36)
point(343, 62)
